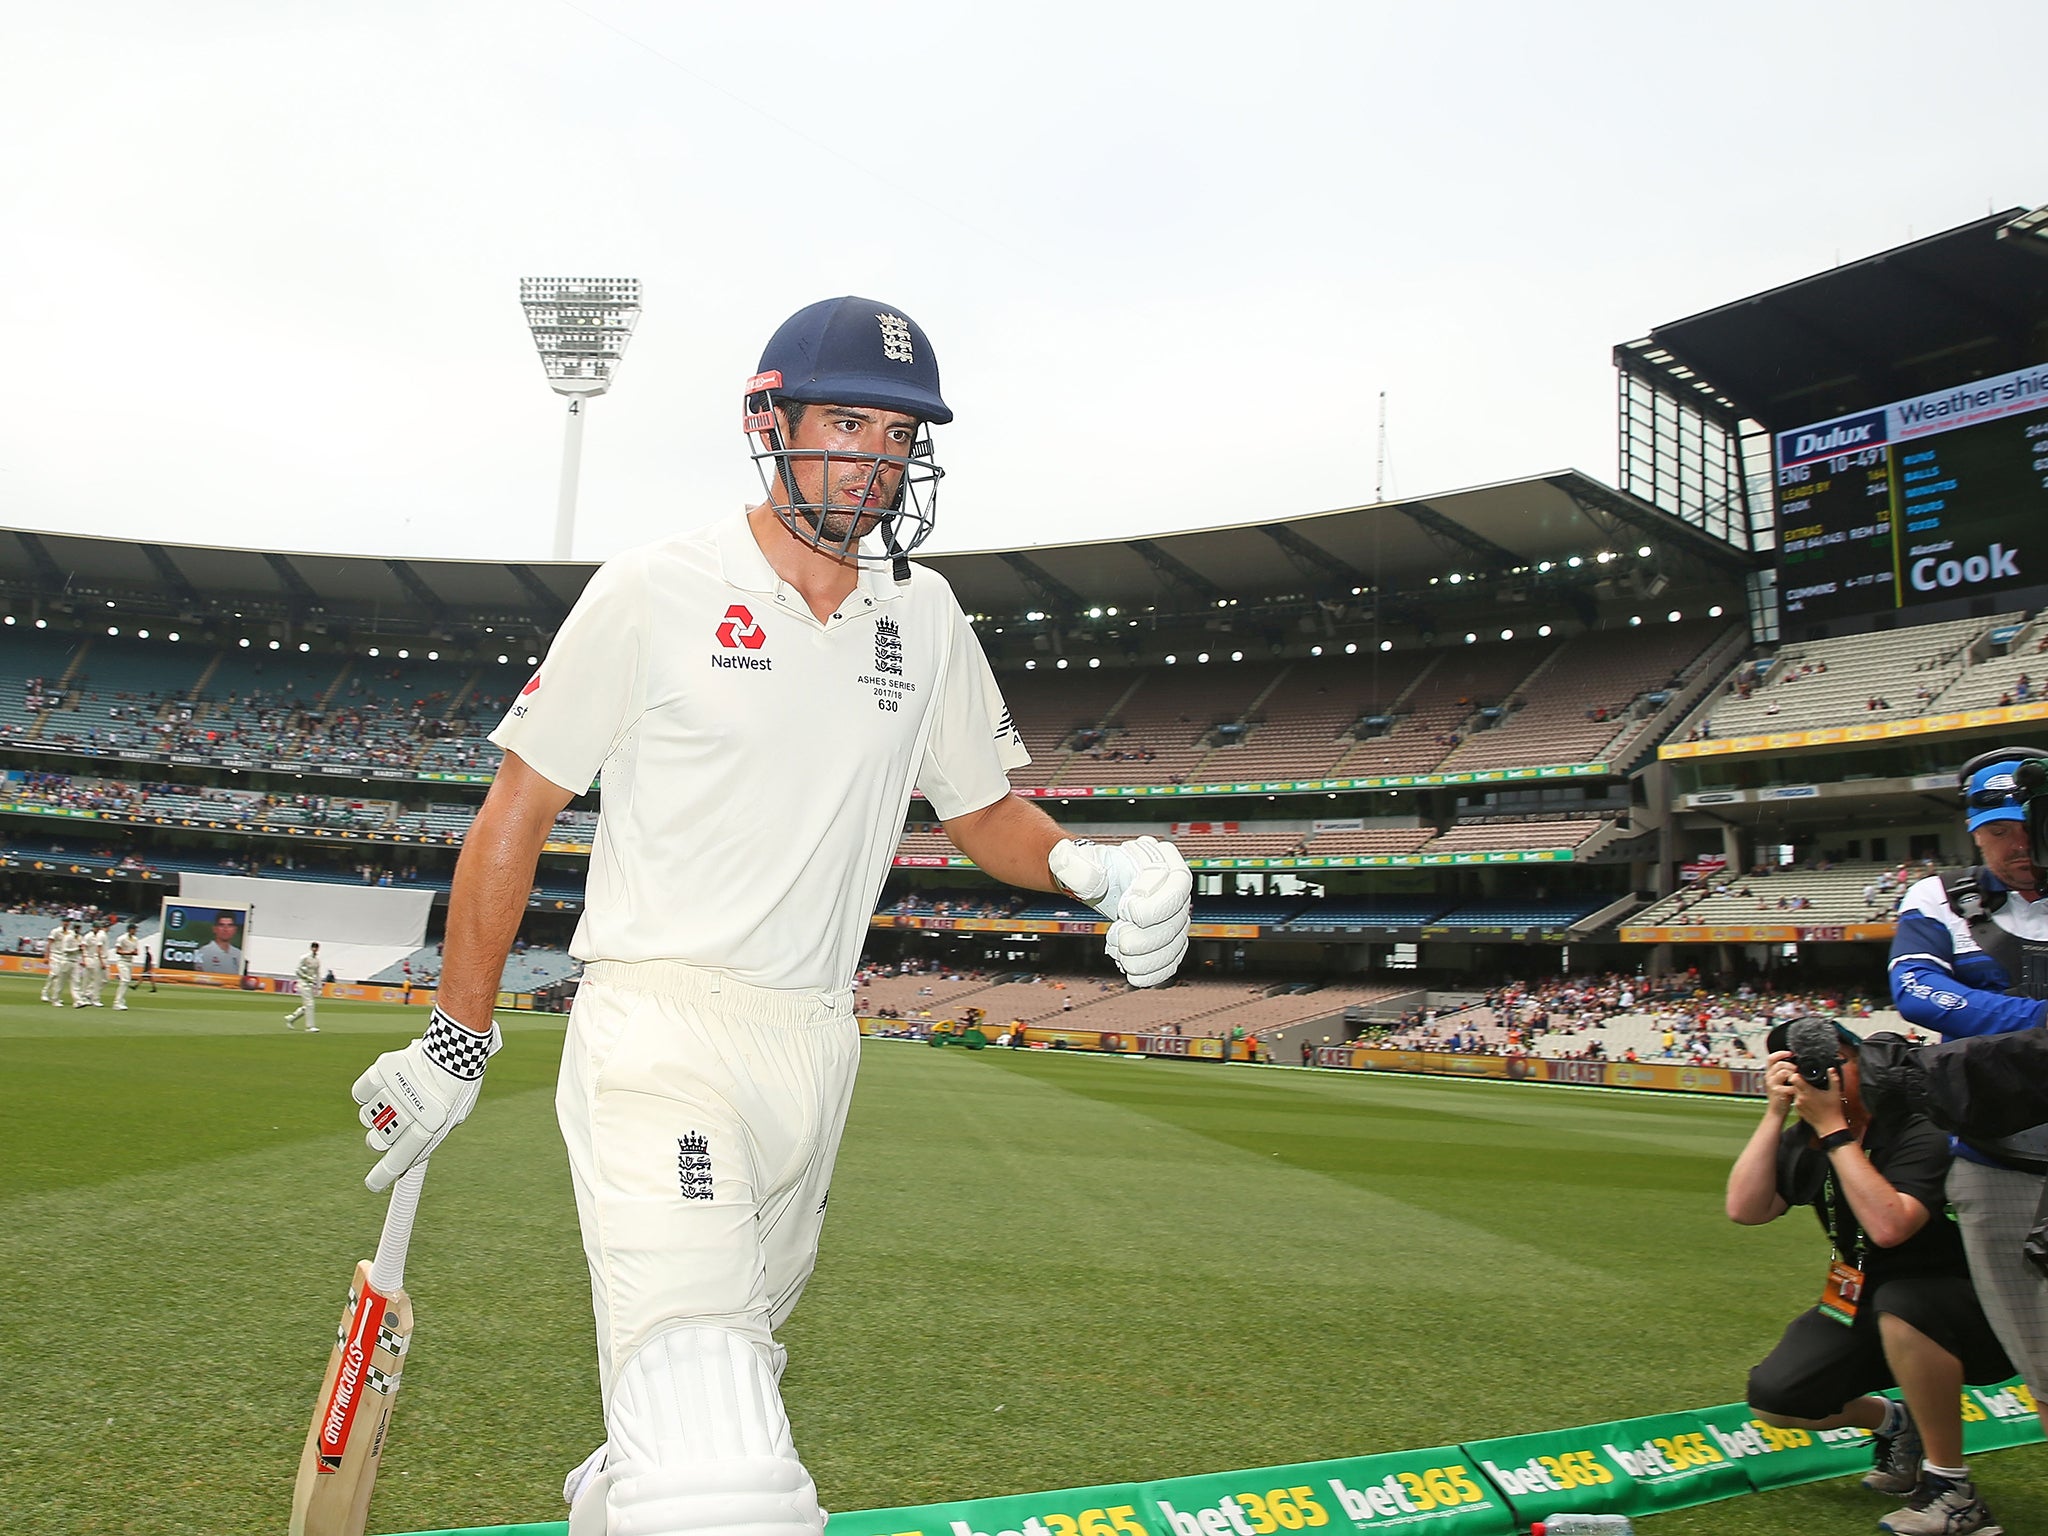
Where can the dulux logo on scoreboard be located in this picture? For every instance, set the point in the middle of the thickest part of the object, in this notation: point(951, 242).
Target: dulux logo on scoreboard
point(1827, 439)
point(1942, 410)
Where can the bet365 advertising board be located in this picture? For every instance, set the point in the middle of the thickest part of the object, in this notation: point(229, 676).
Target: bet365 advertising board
point(1920, 501)
point(1485, 1488)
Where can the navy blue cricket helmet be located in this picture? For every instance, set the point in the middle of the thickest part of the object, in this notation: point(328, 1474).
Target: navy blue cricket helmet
point(852, 352)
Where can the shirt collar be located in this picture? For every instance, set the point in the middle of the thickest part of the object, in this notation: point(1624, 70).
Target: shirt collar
point(743, 565)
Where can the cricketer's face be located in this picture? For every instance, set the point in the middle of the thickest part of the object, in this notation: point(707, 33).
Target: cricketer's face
point(224, 931)
point(2003, 845)
point(836, 459)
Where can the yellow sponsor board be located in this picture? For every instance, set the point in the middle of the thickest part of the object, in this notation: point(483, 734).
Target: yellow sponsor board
point(1841, 735)
point(1759, 933)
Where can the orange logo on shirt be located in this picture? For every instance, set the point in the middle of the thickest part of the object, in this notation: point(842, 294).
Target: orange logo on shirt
point(740, 630)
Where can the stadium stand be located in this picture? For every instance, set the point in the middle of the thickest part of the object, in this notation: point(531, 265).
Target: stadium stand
point(1489, 705)
point(2014, 673)
point(1848, 680)
point(1594, 699)
point(1839, 893)
point(1561, 912)
point(1376, 912)
point(1061, 712)
point(1170, 723)
point(1490, 836)
point(1368, 840)
point(1436, 713)
point(1303, 726)
point(1196, 1006)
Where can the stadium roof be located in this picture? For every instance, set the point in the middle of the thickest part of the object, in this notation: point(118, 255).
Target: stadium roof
point(1963, 304)
point(1392, 546)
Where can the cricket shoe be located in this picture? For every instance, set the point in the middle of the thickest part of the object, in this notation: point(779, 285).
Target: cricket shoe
point(1940, 1507)
point(120, 1007)
point(1895, 1459)
point(312, 1029)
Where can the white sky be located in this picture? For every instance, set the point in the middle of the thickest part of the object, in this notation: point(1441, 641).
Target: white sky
point(259, 259)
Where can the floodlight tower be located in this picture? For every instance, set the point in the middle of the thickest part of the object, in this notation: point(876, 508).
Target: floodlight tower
point(581, 326)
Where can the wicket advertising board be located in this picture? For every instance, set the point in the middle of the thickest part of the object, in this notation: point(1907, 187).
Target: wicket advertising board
point(203, 937)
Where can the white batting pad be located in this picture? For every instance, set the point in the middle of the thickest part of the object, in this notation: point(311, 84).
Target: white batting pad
point(700, 1444)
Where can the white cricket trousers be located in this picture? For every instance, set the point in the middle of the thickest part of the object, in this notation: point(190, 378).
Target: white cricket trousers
point(702, 1117)
point(309, 994)
point(125, 974)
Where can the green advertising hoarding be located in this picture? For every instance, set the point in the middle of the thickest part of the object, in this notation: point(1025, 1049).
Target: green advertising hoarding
point(1630, 1467)
point(1778, 1458)
point(1437, 1490)
point(1996, 1417)
point(1111, 1510)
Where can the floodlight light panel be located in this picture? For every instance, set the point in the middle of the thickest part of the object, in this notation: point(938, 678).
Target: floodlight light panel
point(600, 290)
point(580, 327)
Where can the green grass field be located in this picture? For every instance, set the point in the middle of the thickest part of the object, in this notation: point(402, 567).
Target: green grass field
point(1039, 1272)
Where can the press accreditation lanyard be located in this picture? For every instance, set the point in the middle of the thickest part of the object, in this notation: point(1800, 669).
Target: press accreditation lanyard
point(1843, 1292)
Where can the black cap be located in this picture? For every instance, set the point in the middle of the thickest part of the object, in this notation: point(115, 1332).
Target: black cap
point(1781, 1032)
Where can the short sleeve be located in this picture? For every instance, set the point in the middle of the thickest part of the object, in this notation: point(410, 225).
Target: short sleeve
point(973, 743)
point(589, 690)
point(1916, 1163)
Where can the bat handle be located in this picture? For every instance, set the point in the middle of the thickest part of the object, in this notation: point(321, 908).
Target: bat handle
point(387, 1270)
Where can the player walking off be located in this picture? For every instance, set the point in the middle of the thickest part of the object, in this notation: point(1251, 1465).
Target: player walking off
point(308, 976)
point(89, 979)
point(57, 982)
point(126, 949)
point(761, 696)
point(70, 949)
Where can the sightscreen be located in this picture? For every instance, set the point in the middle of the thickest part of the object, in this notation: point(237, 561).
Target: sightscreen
point(1937, 497)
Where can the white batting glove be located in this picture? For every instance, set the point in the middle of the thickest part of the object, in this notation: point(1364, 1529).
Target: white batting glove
point(412, 1099)
point(1145, 890)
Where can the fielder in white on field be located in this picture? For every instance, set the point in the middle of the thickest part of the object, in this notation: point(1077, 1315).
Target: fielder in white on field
point(58, 981)
point(89, 977)
point(127, 950)
point(308, 978)
point(761, 697)
point(70, 956)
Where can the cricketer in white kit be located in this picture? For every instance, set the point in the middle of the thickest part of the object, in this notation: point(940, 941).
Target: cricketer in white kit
point(127, 950)
point(90, 976)
point(58, 981)
point(760, 697)
point(307, 975)
point(70, 960)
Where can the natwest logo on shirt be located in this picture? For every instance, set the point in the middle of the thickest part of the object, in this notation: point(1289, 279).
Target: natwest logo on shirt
point(739, 631)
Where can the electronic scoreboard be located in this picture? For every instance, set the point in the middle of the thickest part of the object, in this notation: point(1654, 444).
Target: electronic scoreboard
point(1924, 500)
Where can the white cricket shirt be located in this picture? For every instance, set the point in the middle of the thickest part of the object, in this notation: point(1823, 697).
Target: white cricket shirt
point(757, 763)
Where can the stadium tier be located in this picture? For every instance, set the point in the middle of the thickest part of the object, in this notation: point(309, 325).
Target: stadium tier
point(1491, 705)
point(1193, 1007)
point(1839, 894)
point(1861, 679)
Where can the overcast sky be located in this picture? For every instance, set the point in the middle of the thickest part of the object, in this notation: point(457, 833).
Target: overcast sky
point(259, 260)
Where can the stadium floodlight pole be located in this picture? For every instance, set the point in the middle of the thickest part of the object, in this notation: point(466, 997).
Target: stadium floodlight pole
point(580, 326)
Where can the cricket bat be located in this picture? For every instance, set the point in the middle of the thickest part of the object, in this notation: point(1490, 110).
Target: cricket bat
point(338, 1468)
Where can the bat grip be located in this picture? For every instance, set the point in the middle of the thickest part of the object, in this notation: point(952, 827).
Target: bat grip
point(387, 1270)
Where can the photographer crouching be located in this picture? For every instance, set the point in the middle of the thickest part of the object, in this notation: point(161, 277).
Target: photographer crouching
point(1897, 1308)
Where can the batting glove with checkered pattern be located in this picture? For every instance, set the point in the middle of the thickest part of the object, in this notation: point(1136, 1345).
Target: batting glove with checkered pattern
point(412, 1099)
point(1144, 888)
